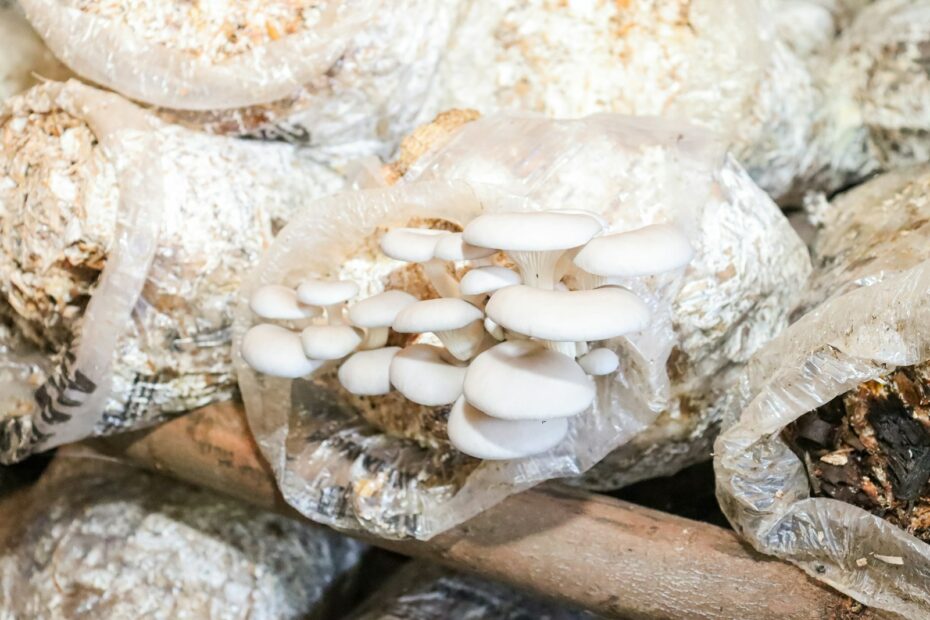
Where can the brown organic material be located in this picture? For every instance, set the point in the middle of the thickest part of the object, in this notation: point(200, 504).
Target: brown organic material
point(871, 447)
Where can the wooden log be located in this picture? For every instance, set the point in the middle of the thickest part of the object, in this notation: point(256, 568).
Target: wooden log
point(609, 556)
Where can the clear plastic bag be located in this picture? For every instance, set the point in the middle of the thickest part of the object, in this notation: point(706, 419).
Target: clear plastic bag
point(184, 57)
point(24, 55)
point(348, 76)
point(868, 309)
point(105, 540)
point(423, 591)
point(716, 63)
point(124, 240)
point(384, 465)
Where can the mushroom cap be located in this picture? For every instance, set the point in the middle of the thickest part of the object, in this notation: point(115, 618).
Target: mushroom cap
point(329, 342)
point(487, 280)
point(276, 351)
point(568, 316)
point(414, 245)
point(649, 250)
point(380, 310)
point(600, 361)
point(422, 376)
point(485, 437)
point(531, 231)
point(435, 315)
point(326, 292)
point(276, 301)
point(368, 373)
point(520, 380)
point(453, 247)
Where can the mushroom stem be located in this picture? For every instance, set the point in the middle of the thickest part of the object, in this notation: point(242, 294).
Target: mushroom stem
point(538, 269)
point(334, 314)
point(438, 275)
point(375, 338)
point(565, 348)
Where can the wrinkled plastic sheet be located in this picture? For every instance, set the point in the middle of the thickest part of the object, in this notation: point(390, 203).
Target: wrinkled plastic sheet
point(424, 591)
point(105, 540)
point(193, 213)
point(337, 468)
point(868, 312)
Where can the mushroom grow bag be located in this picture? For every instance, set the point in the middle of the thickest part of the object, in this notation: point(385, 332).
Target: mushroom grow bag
point(385, 465)
point(122, 243)
point(350, 74)
point(876, 90)
point(716, 63)
point(824, 459)
point(424, 591)
point(801, 107)
point(104, 540)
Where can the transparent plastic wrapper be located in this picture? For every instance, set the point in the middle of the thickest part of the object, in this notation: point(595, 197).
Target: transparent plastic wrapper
point(347, 75)
point(24, 54)
point(423, 591)
point(847, 359)
point(385, 465)
point(122, 243)
point(104, 540)
point(717, 63)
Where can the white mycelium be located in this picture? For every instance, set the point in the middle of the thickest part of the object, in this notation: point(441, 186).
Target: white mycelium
point(510, 338)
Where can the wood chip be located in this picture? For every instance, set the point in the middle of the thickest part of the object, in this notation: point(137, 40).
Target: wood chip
point(897, 560)
point(835, 458)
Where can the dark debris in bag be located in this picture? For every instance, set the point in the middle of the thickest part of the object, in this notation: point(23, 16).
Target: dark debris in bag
point(871, 447)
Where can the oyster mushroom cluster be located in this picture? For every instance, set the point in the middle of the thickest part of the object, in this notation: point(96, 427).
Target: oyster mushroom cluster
point(513, 345)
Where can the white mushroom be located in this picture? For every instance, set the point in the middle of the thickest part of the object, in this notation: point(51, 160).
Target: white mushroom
point(275, 301)
point(457, 323)
point(422, 376)
point(568, 316)
point(326, 292)
point(645, 251)
point(418, 245)
point(329, 342)
point(495, 330)
point(331, 294)
point(276, 351)
point(483, 280)
point(534, 240)
point(412, 245)
point(368, 373)
point(485, 437)
point(377, 313)
point(521, 380)
point(599, 362)
point(453, 247)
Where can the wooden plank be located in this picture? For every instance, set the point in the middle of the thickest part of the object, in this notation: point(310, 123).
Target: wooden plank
point(606, 555)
